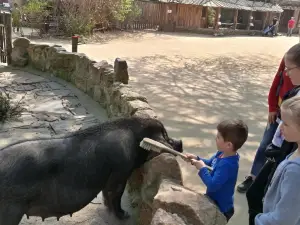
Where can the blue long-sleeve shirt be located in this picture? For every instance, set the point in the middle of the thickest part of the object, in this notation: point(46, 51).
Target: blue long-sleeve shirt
point(221, 181)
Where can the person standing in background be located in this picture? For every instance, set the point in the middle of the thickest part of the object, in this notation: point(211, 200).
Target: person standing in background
point(16, 17)
point(291, 26)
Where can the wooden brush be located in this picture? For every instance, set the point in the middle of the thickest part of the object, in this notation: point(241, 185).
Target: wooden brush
point(151, 145)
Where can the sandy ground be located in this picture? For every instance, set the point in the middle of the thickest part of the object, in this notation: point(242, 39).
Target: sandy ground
point(193, 82)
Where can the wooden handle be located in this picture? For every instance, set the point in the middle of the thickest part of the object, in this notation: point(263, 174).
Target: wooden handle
point(174, 152)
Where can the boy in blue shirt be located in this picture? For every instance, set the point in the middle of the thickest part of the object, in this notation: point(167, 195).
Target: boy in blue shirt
point(221, 180)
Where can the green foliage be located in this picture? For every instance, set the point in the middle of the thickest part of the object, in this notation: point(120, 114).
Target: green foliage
point(126, 10)
point(35, 10)
point(7, 110)
point(211, 16)
point(35, 6)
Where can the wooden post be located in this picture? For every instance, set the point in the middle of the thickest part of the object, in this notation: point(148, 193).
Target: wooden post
point(217, 19)
point(264, 23)
point(8, 37)
point(249, 20)
point(277, 27)
point(235, 18)
point(200, 16)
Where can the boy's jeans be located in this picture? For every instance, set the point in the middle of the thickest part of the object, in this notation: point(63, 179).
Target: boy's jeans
point(260, 157)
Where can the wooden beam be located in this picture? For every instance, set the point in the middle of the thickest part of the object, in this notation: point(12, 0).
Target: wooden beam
point(266, 15)
point(200, 16)
point(217, 19)
point(235, 18)
point(249, 20)
point(8, 37)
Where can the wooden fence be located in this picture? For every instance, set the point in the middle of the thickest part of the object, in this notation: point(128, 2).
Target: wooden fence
point(5, 37)
point(167, 16)
point(150, 17)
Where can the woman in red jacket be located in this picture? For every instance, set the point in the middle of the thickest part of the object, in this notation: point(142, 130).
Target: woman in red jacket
point(281, 84)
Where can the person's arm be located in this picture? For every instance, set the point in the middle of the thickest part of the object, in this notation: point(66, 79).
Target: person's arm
point(273, 98)
point(216, 181)
point(207, 162)
point(288, 208)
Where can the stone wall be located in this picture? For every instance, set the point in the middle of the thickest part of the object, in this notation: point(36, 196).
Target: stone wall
point(105, 83)
point(157, 190)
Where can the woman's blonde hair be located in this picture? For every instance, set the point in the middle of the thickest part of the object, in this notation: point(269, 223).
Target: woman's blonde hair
point(293, 106)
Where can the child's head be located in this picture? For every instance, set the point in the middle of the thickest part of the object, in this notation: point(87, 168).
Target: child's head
point(232, 134)
point(290, 115)
point(292, 64)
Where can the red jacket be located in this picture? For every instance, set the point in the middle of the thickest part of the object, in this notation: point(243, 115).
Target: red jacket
point(291, 23)
point(273, 100)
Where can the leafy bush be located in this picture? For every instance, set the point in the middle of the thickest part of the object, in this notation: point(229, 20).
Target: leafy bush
point(81, 16)
point(8, 111)
point(35, 12)
point(211, 17)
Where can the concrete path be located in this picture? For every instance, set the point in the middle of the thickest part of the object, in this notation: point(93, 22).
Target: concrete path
point(53, 107)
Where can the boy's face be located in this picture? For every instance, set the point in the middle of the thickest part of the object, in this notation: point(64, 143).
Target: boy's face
point(224, 146)
point(288, 128)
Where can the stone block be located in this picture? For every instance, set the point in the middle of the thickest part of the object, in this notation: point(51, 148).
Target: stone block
point(147, 113)
point(19, 56)
point(162, 217)
point(123, 93)
point(121, 71)
point(107, 77)
point(21, 42)
point(192, 207)
point(131, 107)
point(38, 55)
point(155, 171)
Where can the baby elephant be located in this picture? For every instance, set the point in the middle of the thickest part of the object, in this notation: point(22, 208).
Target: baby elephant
point(58, 176)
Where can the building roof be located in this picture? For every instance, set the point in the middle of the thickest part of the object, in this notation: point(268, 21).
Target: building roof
point(289, 4)
point(232, 4)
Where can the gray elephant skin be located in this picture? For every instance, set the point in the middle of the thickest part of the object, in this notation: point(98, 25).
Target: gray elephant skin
point(58, 176)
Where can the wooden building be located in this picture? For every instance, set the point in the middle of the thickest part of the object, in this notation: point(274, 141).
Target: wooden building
point(291, 8)
point(171, 15)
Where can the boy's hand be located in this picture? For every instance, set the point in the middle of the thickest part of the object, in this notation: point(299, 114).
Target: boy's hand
point(190, 156)
point(198, 164)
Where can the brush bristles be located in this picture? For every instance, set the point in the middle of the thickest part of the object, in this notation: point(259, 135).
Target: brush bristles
point(150, 147)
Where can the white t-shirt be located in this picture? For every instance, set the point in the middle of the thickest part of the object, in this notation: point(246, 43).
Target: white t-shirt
point(278, 138)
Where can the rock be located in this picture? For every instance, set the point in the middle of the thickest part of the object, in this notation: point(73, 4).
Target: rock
point(19, 52)
point(21, 42)
point(147, 113)
point(107, 78)
point(17, 60)
point(125, 93)
point(121, 72)
point(155, 170)
point(38, 55)
point(161, 217)
point(192, 207)
point(131, 107)
point(145, 214)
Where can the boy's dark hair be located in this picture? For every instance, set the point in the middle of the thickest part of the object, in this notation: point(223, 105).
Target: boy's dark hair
point(293, 54)
point(234, 131)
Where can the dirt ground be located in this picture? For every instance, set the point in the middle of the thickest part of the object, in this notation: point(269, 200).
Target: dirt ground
point(193, 82)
